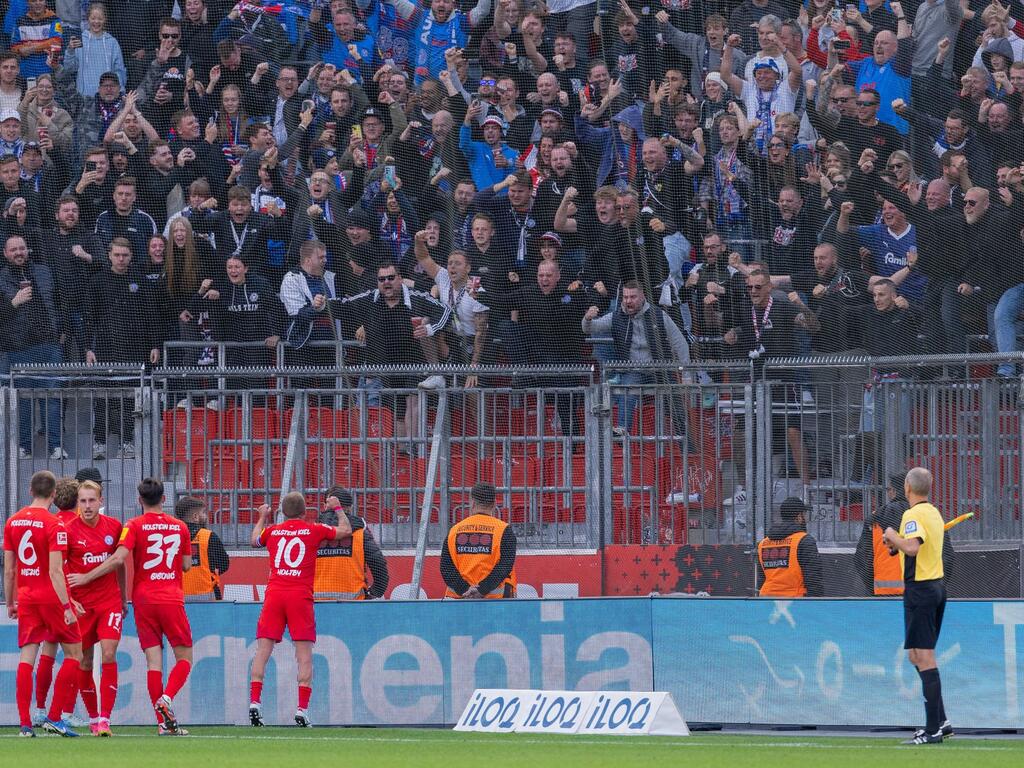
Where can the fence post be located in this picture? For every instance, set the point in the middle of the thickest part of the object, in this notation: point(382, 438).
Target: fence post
point(146, 402)
point(598, 462)
point(761, 510)
point(428, 494)
point(991, 492)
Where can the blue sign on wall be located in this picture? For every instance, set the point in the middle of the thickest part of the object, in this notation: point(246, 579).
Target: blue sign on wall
point(741, 661)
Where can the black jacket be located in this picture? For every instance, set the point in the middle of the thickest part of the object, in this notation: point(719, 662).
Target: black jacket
point(121, 325)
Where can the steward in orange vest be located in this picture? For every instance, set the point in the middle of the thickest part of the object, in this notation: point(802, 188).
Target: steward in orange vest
point(210, 560)
point(341, 566)
point(788, 564)
point(880, 570)
point(479, 555)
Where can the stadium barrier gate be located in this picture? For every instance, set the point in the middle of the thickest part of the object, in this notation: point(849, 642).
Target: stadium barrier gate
point(812, 662)
point(623, 473)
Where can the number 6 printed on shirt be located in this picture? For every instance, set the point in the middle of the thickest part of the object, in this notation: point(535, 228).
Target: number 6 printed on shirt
point(161, 547)
point(26, 549)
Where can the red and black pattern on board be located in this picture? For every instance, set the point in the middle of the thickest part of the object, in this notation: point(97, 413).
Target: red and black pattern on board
point(722, 570)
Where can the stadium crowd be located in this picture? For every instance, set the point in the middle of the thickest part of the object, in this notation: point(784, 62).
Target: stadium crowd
point(480, 183)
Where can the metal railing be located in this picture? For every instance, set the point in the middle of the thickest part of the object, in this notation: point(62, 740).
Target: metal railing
point(702, 454)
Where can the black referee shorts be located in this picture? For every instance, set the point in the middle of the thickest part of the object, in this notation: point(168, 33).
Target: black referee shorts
point(924, 602)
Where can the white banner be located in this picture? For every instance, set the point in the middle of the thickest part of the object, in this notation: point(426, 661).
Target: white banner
point(621, 713)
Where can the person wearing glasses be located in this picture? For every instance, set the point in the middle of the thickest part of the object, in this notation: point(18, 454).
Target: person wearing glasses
point(169, 56)
point(998, 280)
point(954, 133)
point(901, 169)
point(399, 326)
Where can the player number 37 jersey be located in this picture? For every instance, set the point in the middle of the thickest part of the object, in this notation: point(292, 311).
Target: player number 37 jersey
point(292, 547)
point(156, 542)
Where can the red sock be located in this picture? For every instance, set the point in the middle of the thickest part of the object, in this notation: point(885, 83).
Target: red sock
point(256, 692)
point(176, 680)
point(23, 692)
point(304, 693)
point(155, 685)
point(87, 687)
point(65, 689)
point(44, 676)
point(108, 689)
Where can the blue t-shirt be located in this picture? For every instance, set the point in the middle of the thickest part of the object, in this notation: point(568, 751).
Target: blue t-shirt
point(890, 256)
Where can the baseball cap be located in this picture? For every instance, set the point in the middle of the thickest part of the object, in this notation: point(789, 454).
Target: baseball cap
point(88, 473)
point(372, 112)
point(322, 156)
point(553, 237)
point(9, 114)
point(494, 119)
point(342, 495)
point(792, 507)
point(32, 145)
point(551, 111)
point(360, 219)
point(110, 76)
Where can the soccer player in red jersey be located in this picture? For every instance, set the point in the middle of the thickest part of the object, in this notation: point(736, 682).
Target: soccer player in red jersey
point(159, 547)
point(65, 499)
point(92, 538)
point(292, 547)
point(34, 547)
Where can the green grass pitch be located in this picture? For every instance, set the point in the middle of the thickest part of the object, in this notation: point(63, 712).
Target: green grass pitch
point(286, 747)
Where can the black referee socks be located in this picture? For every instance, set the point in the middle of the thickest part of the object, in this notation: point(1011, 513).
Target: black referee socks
point(935, 712)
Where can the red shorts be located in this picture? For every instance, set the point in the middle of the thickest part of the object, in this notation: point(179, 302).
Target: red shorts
point(155, 621)
point(101, 622)
point(44, 622)
point(293, 610)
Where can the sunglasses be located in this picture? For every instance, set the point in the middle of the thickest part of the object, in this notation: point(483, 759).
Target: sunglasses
point(488, 81)
point(867, 103)
point(386, 278)
point(970, 203)
point(169, 36)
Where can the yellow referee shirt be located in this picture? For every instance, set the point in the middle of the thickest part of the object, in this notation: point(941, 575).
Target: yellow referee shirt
point(923, 521)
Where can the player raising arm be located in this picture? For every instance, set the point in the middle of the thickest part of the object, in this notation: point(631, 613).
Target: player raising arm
point(159, 547)
point(291, 546)
point(37, 596)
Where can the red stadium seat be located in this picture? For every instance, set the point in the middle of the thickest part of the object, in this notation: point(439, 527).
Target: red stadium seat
point(518, 475)
point(222, 472)
point(187, 433)
point(265, 423)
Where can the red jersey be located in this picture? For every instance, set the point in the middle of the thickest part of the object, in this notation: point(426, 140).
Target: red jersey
point(157, 543)
point(67, 516)
point(292, 547)
point(88, 546)
point(32, 534)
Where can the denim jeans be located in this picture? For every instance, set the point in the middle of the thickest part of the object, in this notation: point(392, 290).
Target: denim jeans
point(1005, 318)
point(677, 252)
point(41, 354)
point(627, 399)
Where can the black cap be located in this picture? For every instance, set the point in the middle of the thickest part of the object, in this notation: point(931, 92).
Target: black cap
point(360, 218)
point(32, 145)
point(342, 495)
point(483, 494)
point(110, 76)
point(88, 473)
point(791, 508)
point(372, 112)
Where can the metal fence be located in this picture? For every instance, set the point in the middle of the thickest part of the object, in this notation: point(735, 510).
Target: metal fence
point(636, 455)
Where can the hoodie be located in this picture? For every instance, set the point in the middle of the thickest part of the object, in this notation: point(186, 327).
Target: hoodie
point(98, 55)
point(617, 163)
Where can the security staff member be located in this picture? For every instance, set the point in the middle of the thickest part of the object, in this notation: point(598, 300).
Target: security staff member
point(919, 543)
point(210, 560)
point(881, 570)
point(341, 565)
point(788, 564)
point(478, 559)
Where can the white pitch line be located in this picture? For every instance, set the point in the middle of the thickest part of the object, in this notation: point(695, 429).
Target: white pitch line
point(629, 741)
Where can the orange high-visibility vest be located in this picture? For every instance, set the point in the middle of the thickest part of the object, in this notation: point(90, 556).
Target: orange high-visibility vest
point(474, 545)
point(341, 570)
point(783, 576)
point(200, 582)
point(887, 571)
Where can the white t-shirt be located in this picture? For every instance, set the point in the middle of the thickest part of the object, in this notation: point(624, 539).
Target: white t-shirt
point(464, 307)
point(783, 100)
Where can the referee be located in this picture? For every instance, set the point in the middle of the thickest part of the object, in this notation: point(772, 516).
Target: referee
point(919, 543)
